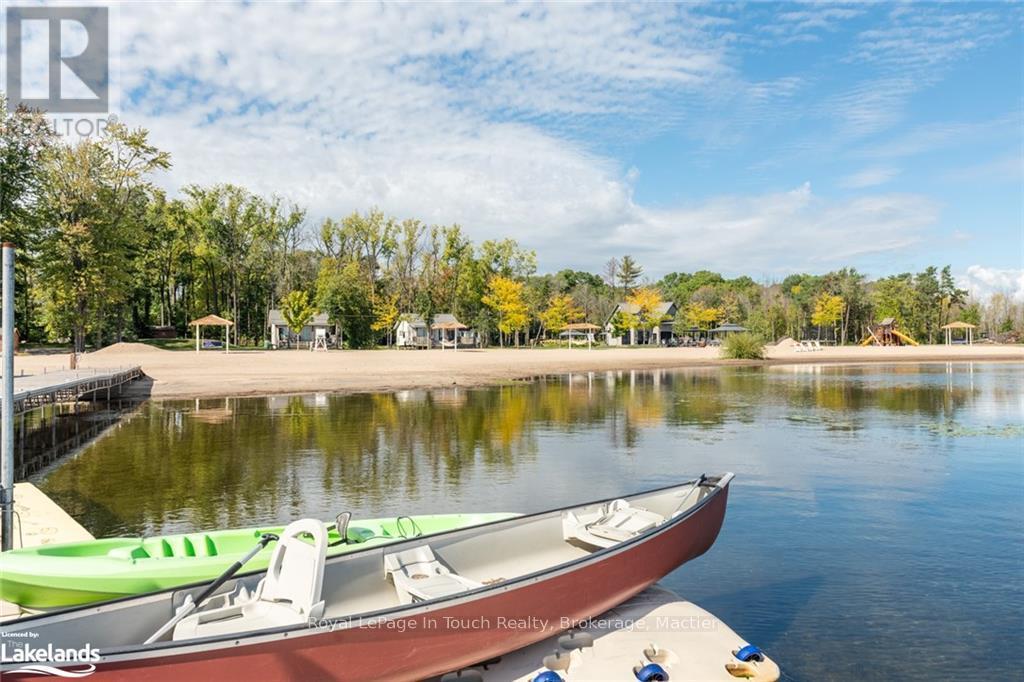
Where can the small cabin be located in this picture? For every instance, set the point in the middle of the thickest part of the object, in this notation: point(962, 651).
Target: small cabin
point(281, 335)
point(445, 332)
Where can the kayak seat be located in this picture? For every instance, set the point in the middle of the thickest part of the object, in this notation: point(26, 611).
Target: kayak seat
point(358, 535)
point(288, 595)
point(418, 575)
point(617, 521)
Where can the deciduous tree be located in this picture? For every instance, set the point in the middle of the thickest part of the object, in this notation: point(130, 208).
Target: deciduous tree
point(297, 310)
point(505, 298)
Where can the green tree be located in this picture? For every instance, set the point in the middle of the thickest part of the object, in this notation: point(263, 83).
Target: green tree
point(25, 142)
point(971, 314)
point(342, 291)
point(94, 198)
point(507, 259)
point(629, 273)
point(895, 297)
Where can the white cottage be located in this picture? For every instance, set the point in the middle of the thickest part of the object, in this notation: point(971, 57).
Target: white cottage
point(446, 332)
point(282, 336)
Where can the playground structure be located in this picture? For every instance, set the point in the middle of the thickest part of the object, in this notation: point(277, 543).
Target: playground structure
point(885, 334)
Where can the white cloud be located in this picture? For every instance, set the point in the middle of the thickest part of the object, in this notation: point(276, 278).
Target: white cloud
point(923, 36)
point(869, 177)
point(945, 134)
point(474, 116)
point(1003, 169)
point(908, 52)
point(776, 233)
point(983, 282)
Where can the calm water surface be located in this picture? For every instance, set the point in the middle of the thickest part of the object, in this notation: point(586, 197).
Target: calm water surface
point(875, 528)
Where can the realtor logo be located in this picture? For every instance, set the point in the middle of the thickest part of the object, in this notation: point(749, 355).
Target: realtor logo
point(64, 61)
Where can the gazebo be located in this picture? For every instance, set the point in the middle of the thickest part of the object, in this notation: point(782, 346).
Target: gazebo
point(967, 327)
point(576, 328)
point(728, 328)
point(444, 327)
point(212, 321)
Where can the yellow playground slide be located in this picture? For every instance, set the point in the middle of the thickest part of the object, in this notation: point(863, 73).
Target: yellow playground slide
point(903, 337)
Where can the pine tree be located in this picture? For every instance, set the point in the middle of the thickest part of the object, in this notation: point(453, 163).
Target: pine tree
point(629, 274)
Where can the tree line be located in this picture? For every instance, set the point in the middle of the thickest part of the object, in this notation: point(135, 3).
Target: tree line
point(106, 255)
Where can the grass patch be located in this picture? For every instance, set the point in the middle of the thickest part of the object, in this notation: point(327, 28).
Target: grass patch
point(743, 346)
point(189, 344)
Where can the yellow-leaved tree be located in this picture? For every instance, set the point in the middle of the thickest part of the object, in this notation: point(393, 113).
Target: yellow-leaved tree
point(560, 312)
point(385, 314)
point(702, 316)
point(648, 316)
point(505, 297)
point(828, 310)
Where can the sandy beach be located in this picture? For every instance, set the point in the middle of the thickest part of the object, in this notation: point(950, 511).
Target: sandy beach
point(181, 374)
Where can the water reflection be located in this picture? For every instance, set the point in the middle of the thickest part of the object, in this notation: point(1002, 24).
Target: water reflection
point(191, 464)
point(873, 530)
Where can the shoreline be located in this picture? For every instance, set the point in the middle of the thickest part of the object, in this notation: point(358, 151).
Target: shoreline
point(211, 374)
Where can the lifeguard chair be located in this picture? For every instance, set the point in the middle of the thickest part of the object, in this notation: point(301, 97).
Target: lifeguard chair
point(319, 341)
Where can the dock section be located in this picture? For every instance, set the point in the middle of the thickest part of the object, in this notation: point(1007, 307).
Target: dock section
point(35, 390)
point(654, 636)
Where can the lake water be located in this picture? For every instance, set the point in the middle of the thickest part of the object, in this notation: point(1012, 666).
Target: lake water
point(875, 527)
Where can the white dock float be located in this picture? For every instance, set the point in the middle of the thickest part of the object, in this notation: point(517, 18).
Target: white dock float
point(655, 627)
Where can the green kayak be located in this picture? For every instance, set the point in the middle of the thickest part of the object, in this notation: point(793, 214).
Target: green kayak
point(74, 573)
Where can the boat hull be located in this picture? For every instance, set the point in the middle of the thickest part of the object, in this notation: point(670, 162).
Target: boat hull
point(443, 636)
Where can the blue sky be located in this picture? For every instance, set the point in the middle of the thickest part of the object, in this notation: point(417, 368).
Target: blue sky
point(752, 138)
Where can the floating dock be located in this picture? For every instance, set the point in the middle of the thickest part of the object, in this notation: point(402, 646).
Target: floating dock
point(654, 636)
point(35, 390)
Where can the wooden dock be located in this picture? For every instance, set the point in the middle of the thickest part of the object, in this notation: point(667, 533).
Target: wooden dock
point(35, 390)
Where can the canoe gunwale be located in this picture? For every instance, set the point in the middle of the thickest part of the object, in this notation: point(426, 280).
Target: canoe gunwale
point(258, 637)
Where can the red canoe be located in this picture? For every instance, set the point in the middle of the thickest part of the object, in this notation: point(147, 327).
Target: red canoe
point(407, 611)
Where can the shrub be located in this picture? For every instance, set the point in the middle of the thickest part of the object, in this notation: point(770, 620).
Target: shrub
point(743, 346)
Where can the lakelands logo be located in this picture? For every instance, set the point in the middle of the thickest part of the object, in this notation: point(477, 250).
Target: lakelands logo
point(85, 659)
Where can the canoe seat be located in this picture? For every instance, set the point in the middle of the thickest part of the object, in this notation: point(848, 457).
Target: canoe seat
point(418, 575)
point(288, 595)
point(617, 521)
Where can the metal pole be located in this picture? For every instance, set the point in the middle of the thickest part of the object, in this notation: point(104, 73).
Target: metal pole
point(7, 419)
